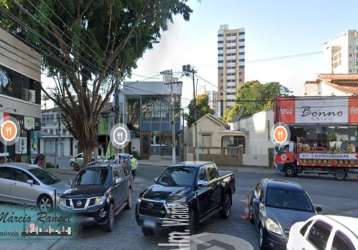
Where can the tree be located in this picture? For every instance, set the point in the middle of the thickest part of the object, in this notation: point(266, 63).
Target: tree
point(202, 108)
point(253, 97)
point(88, 47)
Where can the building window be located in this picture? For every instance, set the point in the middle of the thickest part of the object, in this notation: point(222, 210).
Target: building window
point(241, 40)
point(19, 86)
point(241, 33)
point(206, 140)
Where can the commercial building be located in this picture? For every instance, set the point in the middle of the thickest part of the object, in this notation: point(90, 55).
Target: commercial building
point(147, 111)
point(332, 85)
point(231, 65)
point(341, 53)
point(20, 94)
point(56, 139)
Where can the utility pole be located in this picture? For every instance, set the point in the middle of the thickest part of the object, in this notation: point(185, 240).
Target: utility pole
point(188, 69)
point(168, 79)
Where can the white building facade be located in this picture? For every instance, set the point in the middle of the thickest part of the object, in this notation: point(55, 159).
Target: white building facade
point(258, 145)
point(56, 139)
point(231, 65)
point(332, 85)
point(341, 53)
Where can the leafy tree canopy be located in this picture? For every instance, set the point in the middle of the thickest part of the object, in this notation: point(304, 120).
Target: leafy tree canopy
point(202, 108)
point(88, 47)
point(253, 97)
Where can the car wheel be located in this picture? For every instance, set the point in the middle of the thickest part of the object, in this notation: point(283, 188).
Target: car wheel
point(147, 231)
point(110, 220)
point(129, 200)
point(262, 238)
point(226, 206)
point(290, 172)
point(193, 223)
point(45, 203)
point(341, 174)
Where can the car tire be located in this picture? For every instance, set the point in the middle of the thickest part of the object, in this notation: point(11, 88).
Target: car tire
point(108, 227)
point(262, 238)
point(290, 171)
point(251, 215)
point(129, 200)
point(147, 231)
point(341, 174)
point(226, 206)
point(45, 203)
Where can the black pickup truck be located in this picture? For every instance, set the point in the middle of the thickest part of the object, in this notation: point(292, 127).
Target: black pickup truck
point(197, 188)
point(99, 192)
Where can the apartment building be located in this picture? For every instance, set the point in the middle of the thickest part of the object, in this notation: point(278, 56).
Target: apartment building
point(341, 53)
point(231, 65)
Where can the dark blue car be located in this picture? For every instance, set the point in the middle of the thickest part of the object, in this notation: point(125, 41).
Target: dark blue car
point(274, 206)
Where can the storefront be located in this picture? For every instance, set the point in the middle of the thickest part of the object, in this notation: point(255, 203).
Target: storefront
point(20, 95)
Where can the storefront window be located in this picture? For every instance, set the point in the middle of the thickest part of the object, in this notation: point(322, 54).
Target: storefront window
point(338, 139)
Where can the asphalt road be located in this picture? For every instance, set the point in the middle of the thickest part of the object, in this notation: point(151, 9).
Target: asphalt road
point(335, 197)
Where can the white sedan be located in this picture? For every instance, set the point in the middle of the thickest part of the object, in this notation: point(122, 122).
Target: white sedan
point(324, 233)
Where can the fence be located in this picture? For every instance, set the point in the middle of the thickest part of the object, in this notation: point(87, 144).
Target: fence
point(223, 156)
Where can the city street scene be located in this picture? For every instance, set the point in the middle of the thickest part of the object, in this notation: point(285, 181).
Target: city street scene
point(178, 124)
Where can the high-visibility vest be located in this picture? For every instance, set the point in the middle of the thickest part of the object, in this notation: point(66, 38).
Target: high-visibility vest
point(133, 163)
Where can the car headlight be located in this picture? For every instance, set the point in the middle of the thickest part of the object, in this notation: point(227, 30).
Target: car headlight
point(273, 226)
point(99, 200)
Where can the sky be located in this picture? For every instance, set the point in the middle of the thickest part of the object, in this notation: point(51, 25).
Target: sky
point(273, 28)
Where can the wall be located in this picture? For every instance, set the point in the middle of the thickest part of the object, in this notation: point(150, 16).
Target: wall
point(19, 57)
point(258, 140)
point(327, 90)
point(207, 126)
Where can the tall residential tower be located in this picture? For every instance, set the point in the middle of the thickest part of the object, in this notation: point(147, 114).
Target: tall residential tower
point(341, 53)
point(231, 65)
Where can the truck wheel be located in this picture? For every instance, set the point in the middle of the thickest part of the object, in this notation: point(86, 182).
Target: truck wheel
point(226, 206)
point(193, 223)
point(147, 231)
point(129, 200)
point(108, 227)
point(341, 174)
point(290, 171)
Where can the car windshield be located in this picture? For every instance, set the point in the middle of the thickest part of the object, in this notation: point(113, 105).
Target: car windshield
point(92, 176)
point(177, 177)
point(288, 199)
point(44, 176)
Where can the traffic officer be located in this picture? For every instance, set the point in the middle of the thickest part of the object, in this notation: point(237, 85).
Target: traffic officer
point(133, 162)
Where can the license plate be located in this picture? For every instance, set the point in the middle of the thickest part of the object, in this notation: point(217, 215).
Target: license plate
point(149, 223)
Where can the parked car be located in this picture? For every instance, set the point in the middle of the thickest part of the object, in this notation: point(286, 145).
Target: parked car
point(274, 206)
point(198, 185)
point(99, 192)
point(324, 233)
point(28, 184)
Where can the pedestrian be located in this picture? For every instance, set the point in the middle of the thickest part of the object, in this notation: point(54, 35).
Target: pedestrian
point(133, 162)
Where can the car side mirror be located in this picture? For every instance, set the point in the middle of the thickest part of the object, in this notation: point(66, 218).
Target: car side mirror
point(30, 181)
point(202, 183)
point(318, 209)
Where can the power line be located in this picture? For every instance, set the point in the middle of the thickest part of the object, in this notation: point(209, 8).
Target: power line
point(304, 54)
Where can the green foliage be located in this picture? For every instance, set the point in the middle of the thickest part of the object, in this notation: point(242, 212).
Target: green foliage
point(253, 97)
point(202, 108)
point(88, 47)
point(50, 165)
